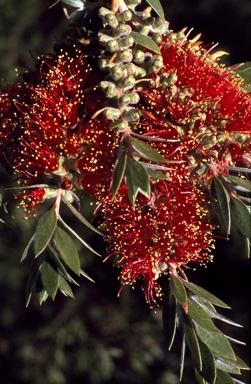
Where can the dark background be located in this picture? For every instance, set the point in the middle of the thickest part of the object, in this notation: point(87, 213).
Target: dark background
point(99, 338)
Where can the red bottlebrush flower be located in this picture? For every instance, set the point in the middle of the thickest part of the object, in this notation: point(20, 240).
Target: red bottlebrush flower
point(98, 158)
point(165, 232)
point(200, 104)
point(31, 200)
point(43, 121)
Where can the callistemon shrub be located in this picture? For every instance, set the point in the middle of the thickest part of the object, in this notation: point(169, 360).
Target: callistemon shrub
point(152, 127)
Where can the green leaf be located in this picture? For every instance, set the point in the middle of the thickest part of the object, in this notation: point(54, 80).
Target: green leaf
point(49, 278)
point(75, 3)
point(228, 365)
point(215, 341)
point(201, 292)
point(146, 151)
point(27, 252)
point(223, 378)
point(197, 313)
point(182, 356)
point(80, 217)
point(44, 231)
point(199, 378)
point(78, 237)
point(118, 173)
point(170, 319)
point(192, 342)
point(67, 250)
point(240, 181)
point(146, 42)
point(210, 310)
point(32, 279)
point(156, 5)
point(64, 287)
point(220, 204)
point(42, 296)
point(137, 180)
point(83, 273)
point(241, 216)
point(178, 289)
point(208, 371)
point(155, 174)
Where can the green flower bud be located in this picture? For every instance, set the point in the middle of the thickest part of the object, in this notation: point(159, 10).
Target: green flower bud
point(111, 20)
point(120, 124)
point(112, 46)
point(139, 56)
point(128, 82)
point(139, 72)
point(103, 38)
point(122, 30)
point(158, 38)
point(132, 115)
point(124, 16)
point(105, 84)
point(126, 42)
point(103, 11)
point(145, 30)
point(129, 98)
point(112, 113)
point(116, 73)
point(124, 56)
point(112, 92)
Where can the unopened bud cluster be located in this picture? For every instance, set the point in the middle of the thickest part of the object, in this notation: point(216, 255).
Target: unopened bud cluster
point(126, 62)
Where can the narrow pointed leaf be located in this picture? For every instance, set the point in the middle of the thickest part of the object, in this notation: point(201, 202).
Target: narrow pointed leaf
point(81, 218)
point(216, 342)
point(156, 5)
point(178, 290)
point(208, 371)
point(146, 151)
point(146, 42)
point(67, 250)
point(199, 378)
point(170, 320)
point(139, 177)
point(65, 288)
point(42, 296)
point(32, 280)
point(211, 312)
point(83, 273)
point(49, 278)
point(241, 216)
point(244, 183)
point(201, 292)
point(223, 378)
point(60, 266)
point(182, 356)
point(27, 251)
point(197, 314)
point(44, 231)
point(78, 237)
point(118, 173)
point(221, 204)
point(192, 342)
point(227, 365)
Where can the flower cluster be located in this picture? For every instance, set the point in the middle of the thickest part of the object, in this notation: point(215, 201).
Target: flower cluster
point(191, 110)
point(160, 234)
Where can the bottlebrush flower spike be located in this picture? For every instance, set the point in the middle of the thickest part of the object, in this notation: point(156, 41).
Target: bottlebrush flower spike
point(201, 104)
point(42, 130)
point(161, 234)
